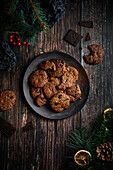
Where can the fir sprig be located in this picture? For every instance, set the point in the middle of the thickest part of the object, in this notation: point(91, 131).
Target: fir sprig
point(24, 17)
point(81, 139)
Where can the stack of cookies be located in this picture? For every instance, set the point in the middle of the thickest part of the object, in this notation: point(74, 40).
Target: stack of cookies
point(56, 84)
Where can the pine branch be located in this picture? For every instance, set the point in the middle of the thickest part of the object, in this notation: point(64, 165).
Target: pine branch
point(10, 7)
point(43, 25)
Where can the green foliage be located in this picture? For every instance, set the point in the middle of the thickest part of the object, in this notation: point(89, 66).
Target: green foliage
point(80, 139)
point(19, 16)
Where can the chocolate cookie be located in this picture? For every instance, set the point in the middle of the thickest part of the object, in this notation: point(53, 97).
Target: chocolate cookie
point(74, 91)
point(67, 81)
point(73, 71)
point(39, 78)
point(7, 99)
point(60, 68)
point(47, 65)
point(60, 102)
point(40, 100)
point(96, 55)
point(50, 87)
point(35, 91)
point(54, 80)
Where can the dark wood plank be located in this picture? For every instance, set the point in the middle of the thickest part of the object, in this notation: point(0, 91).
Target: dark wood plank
point(99, 98)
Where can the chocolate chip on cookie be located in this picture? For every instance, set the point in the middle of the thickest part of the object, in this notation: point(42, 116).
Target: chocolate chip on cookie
point(39, 78)
point(67, 81)
point(74, 91)
point(50, 87)
point(7, 99)
point(35, 91)
point(60, 68)
point(59, 102)
point(96, 55)
point(47, 65)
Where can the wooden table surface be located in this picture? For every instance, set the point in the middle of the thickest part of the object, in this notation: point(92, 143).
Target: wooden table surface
point(44, 147)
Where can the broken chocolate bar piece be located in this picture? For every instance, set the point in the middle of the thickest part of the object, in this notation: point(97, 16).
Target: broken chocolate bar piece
point(72, 38)
point(88, 38)
point(6, 128)
point(28, 126)
point(88, 24)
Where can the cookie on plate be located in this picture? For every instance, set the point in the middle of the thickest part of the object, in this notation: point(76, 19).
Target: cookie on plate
point(38, 78)
point(60, 68)
point(7, 99)
point(96, 55)
point(47, 65)
point(74, 91)
point(59, 102)
point(41, 100)
point(74, 72)
point(35, 92)
point(54, 80)
point(67, 81)
point(50, 87)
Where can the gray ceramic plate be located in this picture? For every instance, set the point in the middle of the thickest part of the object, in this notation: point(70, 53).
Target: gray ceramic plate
point(83, 81)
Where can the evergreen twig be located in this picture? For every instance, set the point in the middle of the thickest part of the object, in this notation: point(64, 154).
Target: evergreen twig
point(37, 15)
point(102, 132)
point(10, 7)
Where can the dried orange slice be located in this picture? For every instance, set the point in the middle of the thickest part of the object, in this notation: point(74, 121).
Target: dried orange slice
point(107, 111)
point(82, 157)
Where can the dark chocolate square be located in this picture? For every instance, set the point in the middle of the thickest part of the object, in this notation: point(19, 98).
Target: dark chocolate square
point(6, 127)
point(72, 38)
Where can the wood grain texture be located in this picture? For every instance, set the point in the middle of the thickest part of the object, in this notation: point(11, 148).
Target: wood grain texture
point(44, 147)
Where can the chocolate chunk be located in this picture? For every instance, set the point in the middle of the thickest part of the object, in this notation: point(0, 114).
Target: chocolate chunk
point(72, 38)
point(56, 104)
point(88, 38)
point(88, 24)
point(66, 99)
point(6, 128)
point(28, 126)
point(11, 97)
point(60, 96)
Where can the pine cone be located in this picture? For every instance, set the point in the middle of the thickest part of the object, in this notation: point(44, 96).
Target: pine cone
point(105, 151)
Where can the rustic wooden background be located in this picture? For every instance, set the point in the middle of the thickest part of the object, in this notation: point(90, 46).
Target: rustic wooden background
point(44, 147)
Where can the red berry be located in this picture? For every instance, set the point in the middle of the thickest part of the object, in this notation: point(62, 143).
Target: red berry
point(16, 36)
point(28, 43)
point(19, 43)
point(11, 36)
point(24, 42)
point(11, 40)
point(18, 39)
point(14, 43)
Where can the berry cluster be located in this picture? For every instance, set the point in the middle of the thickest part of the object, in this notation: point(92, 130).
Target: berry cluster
point(15, 40)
